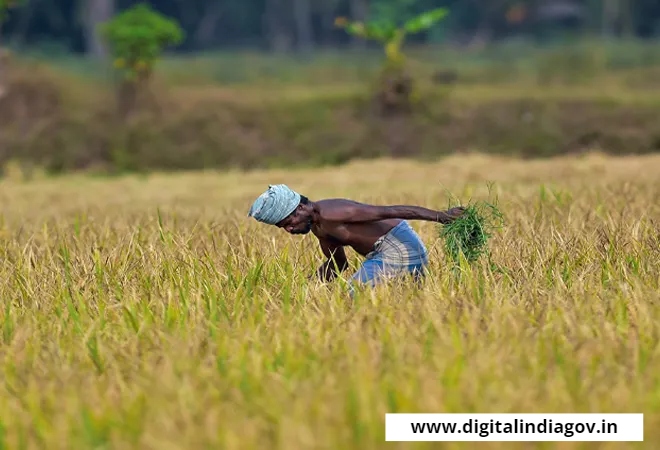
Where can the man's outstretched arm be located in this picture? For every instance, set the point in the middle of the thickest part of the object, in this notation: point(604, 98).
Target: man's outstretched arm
point(351, 212)
point(335, 263)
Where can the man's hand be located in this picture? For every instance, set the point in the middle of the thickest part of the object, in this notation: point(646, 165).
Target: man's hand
point(334, 252)
point(455, 212)
point(327, 272)
point(448, 216)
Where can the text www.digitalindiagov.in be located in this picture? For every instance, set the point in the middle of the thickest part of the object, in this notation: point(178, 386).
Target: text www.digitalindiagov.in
point(517, 426)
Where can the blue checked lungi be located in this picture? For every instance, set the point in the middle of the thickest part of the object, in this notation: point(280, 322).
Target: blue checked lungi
point(399, 252)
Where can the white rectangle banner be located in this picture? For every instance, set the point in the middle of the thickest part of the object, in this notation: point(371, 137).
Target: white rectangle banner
point(514, 427)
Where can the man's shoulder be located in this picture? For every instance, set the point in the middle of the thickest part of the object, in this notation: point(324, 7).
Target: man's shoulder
point(328, 206)
point(336, 202)
point(332, 200)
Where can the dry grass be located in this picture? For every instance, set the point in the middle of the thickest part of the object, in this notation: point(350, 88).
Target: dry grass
point(151, 313)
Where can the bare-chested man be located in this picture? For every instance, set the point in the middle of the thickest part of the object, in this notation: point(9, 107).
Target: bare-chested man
point(379, 233)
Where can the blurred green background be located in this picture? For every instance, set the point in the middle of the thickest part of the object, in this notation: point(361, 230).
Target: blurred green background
point(271, 82)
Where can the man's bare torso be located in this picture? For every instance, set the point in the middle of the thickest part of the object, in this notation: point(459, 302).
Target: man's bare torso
point(359, 236)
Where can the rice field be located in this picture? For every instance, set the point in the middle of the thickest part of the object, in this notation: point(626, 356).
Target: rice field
point(150, 312)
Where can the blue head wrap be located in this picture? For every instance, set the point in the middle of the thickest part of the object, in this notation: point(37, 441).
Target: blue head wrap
point(275, 204)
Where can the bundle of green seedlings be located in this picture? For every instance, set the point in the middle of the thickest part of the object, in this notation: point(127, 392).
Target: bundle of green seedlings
point(469, 234)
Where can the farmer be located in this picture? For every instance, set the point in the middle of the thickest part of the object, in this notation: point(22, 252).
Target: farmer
point(379, 233)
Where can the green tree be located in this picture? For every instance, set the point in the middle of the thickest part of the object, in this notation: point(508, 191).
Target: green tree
point(137, 37)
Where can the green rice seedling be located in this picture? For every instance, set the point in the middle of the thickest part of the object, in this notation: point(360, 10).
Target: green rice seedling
point(468, 236)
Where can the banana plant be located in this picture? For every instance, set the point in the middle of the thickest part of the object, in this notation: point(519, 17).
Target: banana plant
point(390, 34)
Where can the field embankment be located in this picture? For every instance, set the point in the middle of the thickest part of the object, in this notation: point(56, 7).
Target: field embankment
point(66, 122)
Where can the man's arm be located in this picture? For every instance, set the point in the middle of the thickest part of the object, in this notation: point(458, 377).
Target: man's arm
point(336, 256)
point(351, 212)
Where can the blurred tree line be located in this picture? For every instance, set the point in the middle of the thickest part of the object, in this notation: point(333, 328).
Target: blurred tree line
point(303, 25)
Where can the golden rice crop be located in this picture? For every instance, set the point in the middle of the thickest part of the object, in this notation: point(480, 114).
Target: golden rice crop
point(151, 312)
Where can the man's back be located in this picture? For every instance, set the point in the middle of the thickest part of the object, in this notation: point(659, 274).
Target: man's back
point(361, 236)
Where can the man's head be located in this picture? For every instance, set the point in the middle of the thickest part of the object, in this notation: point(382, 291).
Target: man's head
point(284, 208)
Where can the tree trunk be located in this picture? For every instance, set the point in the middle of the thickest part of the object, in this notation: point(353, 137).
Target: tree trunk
point(18, 37)
point(610, 14)
point(97, 11)
point(326, 10)
point(277, 30)
point(359, 11)
point(4, 59)
point(484, 33)
point(208, 25)
point(302, 13)
point(628, 24)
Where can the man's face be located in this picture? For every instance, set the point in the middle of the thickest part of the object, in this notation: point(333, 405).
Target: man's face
point(298, 222)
